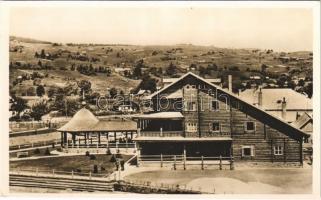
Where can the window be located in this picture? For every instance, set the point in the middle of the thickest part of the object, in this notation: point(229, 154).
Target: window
point(191, 106)
point(216, 126)
point(191, 127)
point(247, 151)
point(278, 150)
point(249, 126)
point(215, 105)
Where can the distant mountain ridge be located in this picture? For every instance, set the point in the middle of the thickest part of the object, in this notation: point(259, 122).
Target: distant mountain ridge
point(28, 40)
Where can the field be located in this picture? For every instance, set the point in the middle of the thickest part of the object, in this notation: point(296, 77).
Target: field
point(239, 181)
point(68, 163)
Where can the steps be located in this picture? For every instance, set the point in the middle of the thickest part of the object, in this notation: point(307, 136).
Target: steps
point(61, 183)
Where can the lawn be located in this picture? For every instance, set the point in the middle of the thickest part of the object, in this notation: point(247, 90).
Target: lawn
point(242, 181)
point(69, 163)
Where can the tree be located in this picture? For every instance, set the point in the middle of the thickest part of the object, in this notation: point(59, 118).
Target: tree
point(301, 83)
point(40, 91)
point(18, 105)
point(113, 92)
point(171, 69)
point(51, 92)
point(38, 110)
point(43, 54)
point(85, 86)
point(148, 83)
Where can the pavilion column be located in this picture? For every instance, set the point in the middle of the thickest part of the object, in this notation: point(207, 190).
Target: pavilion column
point(99, 138)
point(73, 138)
point(131, 135)
point(65, 137)
point(85, 138)
point(115, 136)
point(62, 139)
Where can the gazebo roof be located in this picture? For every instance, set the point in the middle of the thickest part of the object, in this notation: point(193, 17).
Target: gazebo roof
point(86, 121)
point(83, 120)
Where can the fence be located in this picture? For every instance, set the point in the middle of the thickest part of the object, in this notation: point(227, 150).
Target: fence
point(184, 160)
point(125, 145)
point(63, 174)
point(34, 144)
point(154, 187)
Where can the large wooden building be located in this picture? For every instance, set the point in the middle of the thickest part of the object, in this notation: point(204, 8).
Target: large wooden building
point(198, 118)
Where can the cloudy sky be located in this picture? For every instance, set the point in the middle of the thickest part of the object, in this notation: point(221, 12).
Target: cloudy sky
point(286, 29)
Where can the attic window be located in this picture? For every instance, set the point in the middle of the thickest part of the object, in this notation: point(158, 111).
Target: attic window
point(249, 126)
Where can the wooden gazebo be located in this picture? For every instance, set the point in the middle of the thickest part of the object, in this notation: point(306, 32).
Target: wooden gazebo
point(85, 128)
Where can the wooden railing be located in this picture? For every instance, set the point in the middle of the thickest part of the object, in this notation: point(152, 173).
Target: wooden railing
point(184, 160)
point(162, 134)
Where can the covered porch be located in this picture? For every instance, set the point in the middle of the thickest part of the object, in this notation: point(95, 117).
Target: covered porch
point(162, 124)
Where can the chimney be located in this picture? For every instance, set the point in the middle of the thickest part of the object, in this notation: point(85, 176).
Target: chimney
point(260, 98)
point(230, 83)
point(283, 108)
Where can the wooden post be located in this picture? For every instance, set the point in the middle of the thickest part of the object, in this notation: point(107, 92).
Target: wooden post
point(53, 173)
point(72, 174)
point(174, 162)
point(161, 159)
point(220, 162)
point(284, 150)
point(232, 163)
point(99, 138)
point(301, 156)
point(184, 158)
point(202, 163)
point(89, 175)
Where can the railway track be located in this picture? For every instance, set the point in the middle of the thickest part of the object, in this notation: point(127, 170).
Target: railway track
point(61, 183)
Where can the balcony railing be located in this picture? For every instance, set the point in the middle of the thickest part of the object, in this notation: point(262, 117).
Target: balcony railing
point(182, 134)
point(162, 134)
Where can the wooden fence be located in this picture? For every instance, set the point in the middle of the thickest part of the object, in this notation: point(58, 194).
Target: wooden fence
point(182, 160)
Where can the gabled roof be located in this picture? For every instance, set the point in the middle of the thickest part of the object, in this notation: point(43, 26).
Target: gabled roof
point(162, 115)
point(302, 121)
point(252, 110)
point(272, 97)
point(83, 120)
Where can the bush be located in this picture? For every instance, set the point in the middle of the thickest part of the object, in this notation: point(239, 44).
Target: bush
point(92, 157)
point(119, 156)
point(36, 151)
point(47, 152)
point(95, 169)
point(102, 168)
point(108, 152)
point(87, 153)
point(113, 158)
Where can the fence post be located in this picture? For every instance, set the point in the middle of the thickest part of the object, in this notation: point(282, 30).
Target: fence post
point(89, 175)
point(232, 163)
point(184, 162)
point(161, 159)
point(202, 163)
point(53, 173)
point(72, 174)
point(220, 162)
point(174, 162)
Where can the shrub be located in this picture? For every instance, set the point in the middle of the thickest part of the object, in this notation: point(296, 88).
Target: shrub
point(78, 170)
point(47, 152)
point(92, 157)
point(95, 169)
point(119, 155)
point(113, 158)
point(36, 151)
point(87, 153)
point(102, 168)
point(108, 152)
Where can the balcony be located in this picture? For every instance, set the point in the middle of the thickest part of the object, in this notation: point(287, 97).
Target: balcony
point(162, 134)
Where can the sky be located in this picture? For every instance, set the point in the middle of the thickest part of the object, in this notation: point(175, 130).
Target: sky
point(282, 29)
